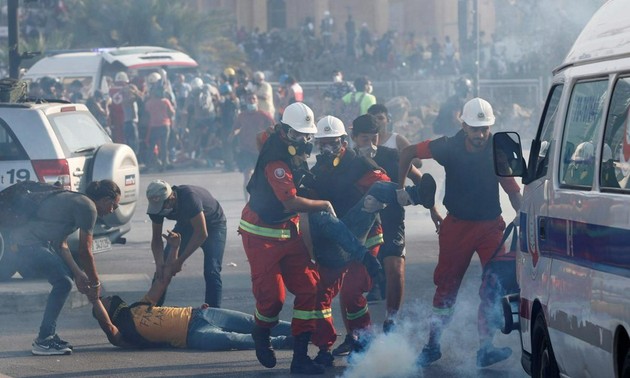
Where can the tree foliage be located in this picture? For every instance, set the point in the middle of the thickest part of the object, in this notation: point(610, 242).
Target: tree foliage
point(179, 25)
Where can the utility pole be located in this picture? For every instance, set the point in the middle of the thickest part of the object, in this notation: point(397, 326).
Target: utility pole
point(14, 55)
point(477, 46)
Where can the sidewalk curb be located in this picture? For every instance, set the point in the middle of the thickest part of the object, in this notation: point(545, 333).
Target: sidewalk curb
point(19, 295)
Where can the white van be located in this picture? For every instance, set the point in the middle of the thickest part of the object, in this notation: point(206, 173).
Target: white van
point(93, 66)
point(573, 264)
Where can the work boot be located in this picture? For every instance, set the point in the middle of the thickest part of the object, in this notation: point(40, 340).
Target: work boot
point(302, 363)
point(324, 358)
point(490, 355)
point(346, 347)
point(430, 353)
point(424, 193)
point(264, 351)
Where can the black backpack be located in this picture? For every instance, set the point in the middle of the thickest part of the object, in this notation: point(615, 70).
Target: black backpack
point(20, 201)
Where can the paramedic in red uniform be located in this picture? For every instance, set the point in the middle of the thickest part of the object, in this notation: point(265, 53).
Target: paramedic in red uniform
point(473, 222)
point(272, 240)
point(344, 177)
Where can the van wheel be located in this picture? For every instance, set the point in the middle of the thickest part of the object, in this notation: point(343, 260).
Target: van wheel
point(544, 363)
point(625, 371)
point(8, 262)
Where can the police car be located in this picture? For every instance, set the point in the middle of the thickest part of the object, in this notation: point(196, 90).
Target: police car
point(62, 142)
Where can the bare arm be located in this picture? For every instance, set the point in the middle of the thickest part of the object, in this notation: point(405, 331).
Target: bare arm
point(406, 156)
point(113, 334)
point(305, 205)
point(200, 234)
point(80, 278)
point(86, 259)
point(158, 287)
point(157, 248)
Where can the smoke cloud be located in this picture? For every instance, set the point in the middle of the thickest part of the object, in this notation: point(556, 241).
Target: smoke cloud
point(395, 354)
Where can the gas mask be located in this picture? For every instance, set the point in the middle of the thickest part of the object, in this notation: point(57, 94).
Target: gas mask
point(367, 151)
point(329, 153)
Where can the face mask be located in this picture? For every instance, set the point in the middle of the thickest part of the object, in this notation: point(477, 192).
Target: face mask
point(252, 107)
point(367, 151)
point(337, 79)
point(369, 89)
point(165, 212)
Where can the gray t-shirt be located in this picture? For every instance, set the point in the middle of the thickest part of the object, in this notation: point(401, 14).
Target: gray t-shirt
point(58, 216)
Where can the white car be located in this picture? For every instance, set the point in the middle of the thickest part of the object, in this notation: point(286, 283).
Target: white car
point(62, 142)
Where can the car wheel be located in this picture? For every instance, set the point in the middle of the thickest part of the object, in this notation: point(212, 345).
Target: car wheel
point(118, 162)
point(544, 363)
point(8, 263)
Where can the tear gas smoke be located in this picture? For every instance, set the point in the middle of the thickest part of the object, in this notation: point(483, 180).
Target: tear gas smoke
point(394, 355)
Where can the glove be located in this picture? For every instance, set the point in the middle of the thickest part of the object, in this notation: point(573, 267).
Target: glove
point(403, 197)
point(372, 265)
point(372, 205)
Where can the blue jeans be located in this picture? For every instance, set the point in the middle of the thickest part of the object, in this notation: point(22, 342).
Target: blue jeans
point(339, 240)
point(44, 261)
point(213, 248)
point(221, 329)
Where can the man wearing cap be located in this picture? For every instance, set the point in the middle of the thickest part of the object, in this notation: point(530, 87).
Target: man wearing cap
point(273, 241)
point(201, 223)
point(473, 222)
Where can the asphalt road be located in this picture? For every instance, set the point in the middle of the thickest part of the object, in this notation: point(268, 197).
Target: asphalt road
point(389, 356)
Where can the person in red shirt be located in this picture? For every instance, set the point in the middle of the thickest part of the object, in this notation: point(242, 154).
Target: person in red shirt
point(160, 112)
point(247, 126)
point(270, 231)
point(473, 222)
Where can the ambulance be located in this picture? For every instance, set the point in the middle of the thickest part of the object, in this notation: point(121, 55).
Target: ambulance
point(93, 67)
point(573, 259)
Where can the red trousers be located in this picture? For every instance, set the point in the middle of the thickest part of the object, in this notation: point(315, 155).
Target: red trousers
point(356, 282)
point(274, 264)
point(459, 240)
point(325, 334)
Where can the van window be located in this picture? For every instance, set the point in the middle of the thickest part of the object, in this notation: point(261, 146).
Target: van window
point(583, 120)
point(615, 164)
point(546, 132)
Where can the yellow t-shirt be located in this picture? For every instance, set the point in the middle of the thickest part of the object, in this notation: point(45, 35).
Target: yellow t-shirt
point(162, 324)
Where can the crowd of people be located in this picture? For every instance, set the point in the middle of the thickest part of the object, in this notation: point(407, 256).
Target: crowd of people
point(336, 228)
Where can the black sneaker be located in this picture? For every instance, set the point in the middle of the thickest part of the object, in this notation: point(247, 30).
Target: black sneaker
point(264, 351)
point(424, 193)
point(388, 326)
point(430, 354)
point(49, 347)
point(324, 358)
point(491, 355)
point(346, 347)
point(304, 365)
point(62, 342)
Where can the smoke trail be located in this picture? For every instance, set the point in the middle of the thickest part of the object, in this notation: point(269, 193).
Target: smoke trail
point(395, 354)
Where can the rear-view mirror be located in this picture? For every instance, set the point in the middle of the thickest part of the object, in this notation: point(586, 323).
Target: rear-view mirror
point(508, 155)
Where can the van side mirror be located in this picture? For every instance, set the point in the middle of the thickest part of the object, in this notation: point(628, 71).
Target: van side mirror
point(508, 155)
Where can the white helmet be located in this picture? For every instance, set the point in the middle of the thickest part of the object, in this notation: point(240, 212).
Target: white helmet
point(196, 83)
point(477, 113)
point(330, 127)
point(154, 77)
point(584, 152)
point(122, 77)
point(300, 118)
